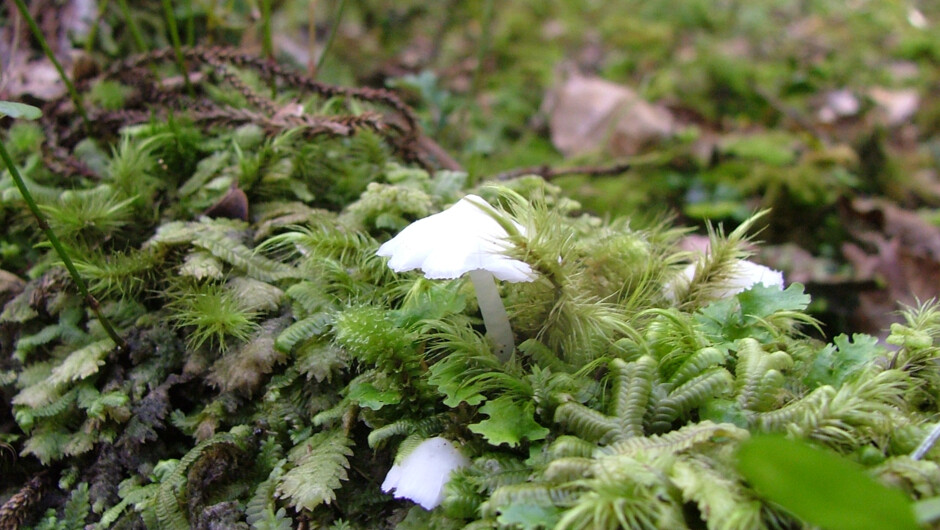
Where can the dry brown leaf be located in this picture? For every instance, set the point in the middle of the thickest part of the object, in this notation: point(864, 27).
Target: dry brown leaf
point(589, 114)
point(898, 250)
point(895, 106)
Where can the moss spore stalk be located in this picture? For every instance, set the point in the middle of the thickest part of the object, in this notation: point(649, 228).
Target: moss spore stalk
point(59, 249)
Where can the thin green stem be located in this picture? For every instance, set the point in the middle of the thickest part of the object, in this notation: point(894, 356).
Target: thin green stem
point(267, 43)
point(484, 45)
point(93, 32)
point(190, 24)
point(37, 33)
point(132, 27)
point(333, 31)
point(60, 250)
point(175, 39)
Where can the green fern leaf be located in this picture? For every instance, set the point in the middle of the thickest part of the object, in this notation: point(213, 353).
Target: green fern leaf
point(528, 494)
point(301, 330)
point(261, 511)
point(202, 265)
point(309, 298)
point(585, 422)
point(82, 362)
point(759, 376)
point(696, 363)
point(632, 386)
point(691, 395)
point(568, 446)
point(319, 466)
point(240, 256)
point(722, 502)
point(681, 440)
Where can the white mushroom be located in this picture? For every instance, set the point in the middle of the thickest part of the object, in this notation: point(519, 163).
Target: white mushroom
point(421, 476)
point(465, 238)
point(745, 274)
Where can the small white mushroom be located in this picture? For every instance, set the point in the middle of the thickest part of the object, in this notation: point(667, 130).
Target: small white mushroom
point(745, 274)
point(464, 238)
point(422, 474)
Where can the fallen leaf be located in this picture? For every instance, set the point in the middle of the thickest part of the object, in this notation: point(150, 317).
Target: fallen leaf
point(894, 107)
point(588, 114)
point(898, 251)
point(838, 104)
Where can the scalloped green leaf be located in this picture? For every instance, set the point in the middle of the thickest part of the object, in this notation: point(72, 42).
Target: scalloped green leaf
point(509, 422)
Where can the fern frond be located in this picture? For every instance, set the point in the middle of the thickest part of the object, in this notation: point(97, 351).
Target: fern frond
point(28, 343)
point(260, 511)
point(493, 471)
point(319, 465)
point(920, 478)
point(626, 493)
point(320, 360)
point(861, 411)
point(758, 375)
point(425, 428)
point(309, 298)
point(586, 422)
point(528, 494)
point(82, 362)
point(722, 503)
point(693, 394)
point(571, 446)
point(803, 411)
point(254, 295)
point(304, 329)
point(168, 511)
point(694, 365)
point(633, 383)
point(542, 355)
point(76, 508)
point(569, 469)
point(462, 498)
point(238, 255)
point(679, 441)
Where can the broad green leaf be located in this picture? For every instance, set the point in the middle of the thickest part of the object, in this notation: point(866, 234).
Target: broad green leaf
point(822, 488)
point(19, 110)
point(761, 301)
point(509, 422)
point(372, 398)
point(529, 516)
point(834, 365)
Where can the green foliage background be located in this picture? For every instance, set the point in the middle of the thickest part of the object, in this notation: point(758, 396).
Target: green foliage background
point(277, 367)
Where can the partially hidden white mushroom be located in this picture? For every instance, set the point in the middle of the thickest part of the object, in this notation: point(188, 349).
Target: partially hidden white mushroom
point(745, 274)
point(464, 238)
point(422, 474)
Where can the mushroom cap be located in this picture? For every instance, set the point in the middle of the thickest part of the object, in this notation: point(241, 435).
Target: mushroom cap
point(421, 476)
point(458, 240)
point(745, 274)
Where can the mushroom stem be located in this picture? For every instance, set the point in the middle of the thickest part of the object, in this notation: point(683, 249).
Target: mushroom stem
point(494, 313)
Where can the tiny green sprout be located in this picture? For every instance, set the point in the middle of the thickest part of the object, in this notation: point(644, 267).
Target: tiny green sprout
point(213, 313)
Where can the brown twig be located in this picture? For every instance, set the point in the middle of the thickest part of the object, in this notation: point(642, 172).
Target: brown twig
point(548, 172)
